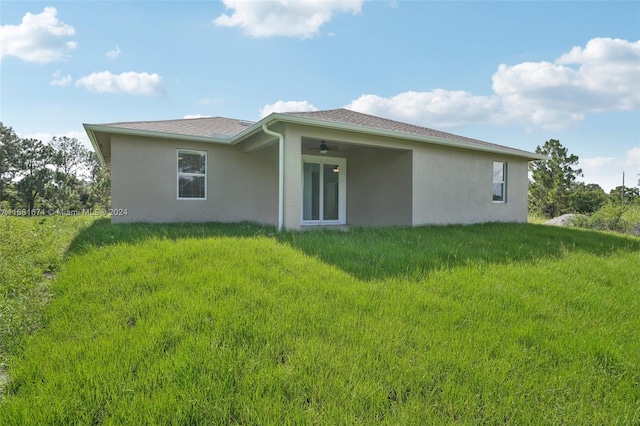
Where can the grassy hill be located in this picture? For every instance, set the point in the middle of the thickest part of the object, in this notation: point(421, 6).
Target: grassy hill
point(223, 324)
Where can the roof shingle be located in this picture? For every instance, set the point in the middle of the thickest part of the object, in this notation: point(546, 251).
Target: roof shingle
point(346, 116)
point(206, 126)
point(226, 128)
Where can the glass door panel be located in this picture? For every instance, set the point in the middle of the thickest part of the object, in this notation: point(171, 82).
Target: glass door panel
point(311, 192)
point(323, 190)
point(331, 191)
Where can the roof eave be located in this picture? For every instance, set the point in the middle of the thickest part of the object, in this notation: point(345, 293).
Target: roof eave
point(94, 143)
point(407, 136)
point(287, 118)
point(150, 133)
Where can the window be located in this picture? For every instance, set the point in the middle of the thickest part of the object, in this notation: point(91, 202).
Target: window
point(192, 175)
point(499, 182)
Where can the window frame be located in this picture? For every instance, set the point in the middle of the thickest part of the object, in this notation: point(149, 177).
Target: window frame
point(342, 190)
point(502, 182)
point(179, 174)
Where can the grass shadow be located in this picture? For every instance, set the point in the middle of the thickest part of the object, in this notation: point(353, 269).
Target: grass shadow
point(378, 253)
point(371, 253)
point(103, 233)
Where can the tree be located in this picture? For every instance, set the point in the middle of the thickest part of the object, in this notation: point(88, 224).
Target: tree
point(71, 160)
point(9, 142)
point(587, 198)
point(71, 157)
point(62, 174)
point(622, 195)
point(32, 162)
point(100, 189)
point(553, 179)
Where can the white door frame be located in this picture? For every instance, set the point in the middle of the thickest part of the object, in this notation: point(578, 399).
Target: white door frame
point(342, 189)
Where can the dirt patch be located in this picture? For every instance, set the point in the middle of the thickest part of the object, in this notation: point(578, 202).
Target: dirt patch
point(564, 220)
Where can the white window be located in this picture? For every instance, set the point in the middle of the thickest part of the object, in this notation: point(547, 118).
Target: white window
point(499, 182)
point(192, 175)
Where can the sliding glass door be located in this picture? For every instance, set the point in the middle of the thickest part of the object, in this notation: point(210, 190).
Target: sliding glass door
point(323, 190)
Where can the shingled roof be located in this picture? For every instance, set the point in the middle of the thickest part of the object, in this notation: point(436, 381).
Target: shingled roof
point(205, 126)
point(230, 129)
point(346, 116)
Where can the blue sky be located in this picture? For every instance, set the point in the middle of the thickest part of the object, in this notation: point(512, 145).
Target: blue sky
point(514, 73)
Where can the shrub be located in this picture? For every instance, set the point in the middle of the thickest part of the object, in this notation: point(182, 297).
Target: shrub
point(610, 217)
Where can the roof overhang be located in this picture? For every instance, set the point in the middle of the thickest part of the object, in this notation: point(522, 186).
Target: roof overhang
point(94, 129)
point(279, 117)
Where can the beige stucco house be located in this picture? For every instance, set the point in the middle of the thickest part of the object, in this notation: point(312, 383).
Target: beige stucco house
point(308, 168)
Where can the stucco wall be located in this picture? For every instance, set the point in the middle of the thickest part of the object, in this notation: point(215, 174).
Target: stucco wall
point(379, 185)
point(292, 179)
point(455, 186)
point(411, 184)
point(378, 178)
point(240, 186)
point(447, 185)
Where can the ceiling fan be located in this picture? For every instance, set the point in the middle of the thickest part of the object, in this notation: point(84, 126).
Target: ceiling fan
point(324, 148)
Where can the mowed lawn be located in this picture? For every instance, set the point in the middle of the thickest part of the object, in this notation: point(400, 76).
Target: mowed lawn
point(235, 324)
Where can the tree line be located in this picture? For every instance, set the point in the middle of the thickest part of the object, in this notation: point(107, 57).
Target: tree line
point(554, 189)
point(59, 176)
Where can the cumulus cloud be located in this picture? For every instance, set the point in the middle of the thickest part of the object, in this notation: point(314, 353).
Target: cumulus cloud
point(113, 54)
point(607, 171)
point(38, 38)
point(283, 17)
point(633, 157)
point(633, 163)
point(605, 76)
point(602, 76)
point(439, 108)
point(189, 116)
point(60, 80)
point(286, 106)
point(540, 94)
point(597, 162)
point(135, 83)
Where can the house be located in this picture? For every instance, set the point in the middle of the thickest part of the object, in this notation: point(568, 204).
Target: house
point(308, 168)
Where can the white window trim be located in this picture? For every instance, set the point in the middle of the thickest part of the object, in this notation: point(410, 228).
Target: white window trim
point(342, 184)
point(178, 174)
point(503, 182)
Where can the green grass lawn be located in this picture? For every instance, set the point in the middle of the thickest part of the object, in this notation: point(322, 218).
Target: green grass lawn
point(222, 324)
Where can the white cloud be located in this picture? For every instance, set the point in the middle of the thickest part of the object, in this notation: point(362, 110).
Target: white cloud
point(556, 95)
point(113, 54)
point(286, 106)
point(135, 83)
point(633, 157)
point(632, 166)
point(540, 94)
point(607, 171)
point(39, 38)
point(597, 162)
point(438, 108)
point(548, 95)
point(60, 80)
point(189, 116)
point(284, 17)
